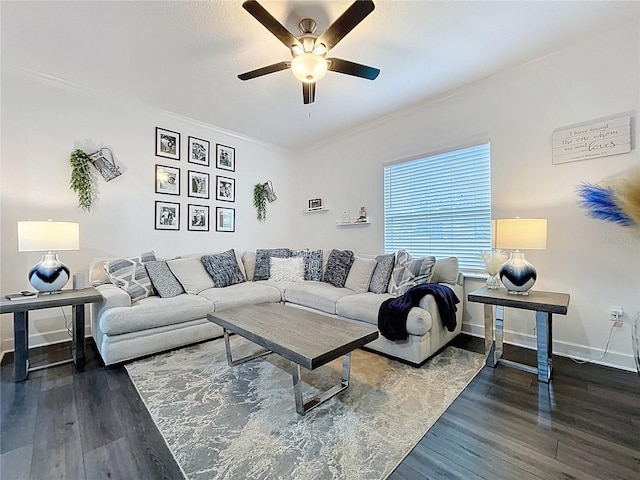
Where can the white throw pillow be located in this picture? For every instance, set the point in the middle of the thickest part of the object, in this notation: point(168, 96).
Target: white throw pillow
point(287, 269)
point(360, 274)
point(191, 274)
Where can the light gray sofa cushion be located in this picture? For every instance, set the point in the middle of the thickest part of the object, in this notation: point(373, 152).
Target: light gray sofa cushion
point(152, 312)
point(163, 279)
point(360, 274)
point(445, 271)
point(246, 293)
point(364, 307)
point(319, 295)
point(191, 274)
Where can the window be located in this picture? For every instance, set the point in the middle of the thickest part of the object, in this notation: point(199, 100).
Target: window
point(440, 205)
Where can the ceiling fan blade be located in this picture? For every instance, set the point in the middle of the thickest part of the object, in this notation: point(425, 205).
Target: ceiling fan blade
point(274, 26)
point(276, 67)
point(351, 68)
point(345, 23)
point(308, 92)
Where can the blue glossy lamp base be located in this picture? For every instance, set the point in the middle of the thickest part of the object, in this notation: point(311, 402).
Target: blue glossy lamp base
point(49, 275)
point(517, 274)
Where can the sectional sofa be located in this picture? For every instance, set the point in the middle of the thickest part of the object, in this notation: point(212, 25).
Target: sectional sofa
point(126, 325)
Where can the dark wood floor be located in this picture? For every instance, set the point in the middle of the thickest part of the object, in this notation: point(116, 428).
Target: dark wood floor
point(67, 424)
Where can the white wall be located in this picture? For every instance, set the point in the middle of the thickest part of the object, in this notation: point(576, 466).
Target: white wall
point(43, 121)
point(598, 263)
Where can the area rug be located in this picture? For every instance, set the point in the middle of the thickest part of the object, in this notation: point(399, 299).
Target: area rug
point(240, 422)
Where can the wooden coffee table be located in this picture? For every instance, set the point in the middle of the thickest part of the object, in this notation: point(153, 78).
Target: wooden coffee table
point(305, 338)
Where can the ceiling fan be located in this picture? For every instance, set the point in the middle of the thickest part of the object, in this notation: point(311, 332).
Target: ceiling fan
point(308, 50)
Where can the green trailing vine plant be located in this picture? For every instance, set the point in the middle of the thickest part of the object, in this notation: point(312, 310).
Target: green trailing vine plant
point(260, 200)
point(81, 179)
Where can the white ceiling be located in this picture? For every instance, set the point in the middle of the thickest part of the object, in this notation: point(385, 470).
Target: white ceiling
point(184, 56)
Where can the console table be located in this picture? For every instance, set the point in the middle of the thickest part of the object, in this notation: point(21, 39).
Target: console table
point(21, 308)
point(545, 304)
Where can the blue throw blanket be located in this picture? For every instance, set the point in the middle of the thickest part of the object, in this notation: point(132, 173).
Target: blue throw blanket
point(392, 316)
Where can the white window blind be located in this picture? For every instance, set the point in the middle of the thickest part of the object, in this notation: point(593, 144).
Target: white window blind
point(440, 205)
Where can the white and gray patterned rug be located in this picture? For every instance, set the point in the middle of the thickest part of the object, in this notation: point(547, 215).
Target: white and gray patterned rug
point(240, 422)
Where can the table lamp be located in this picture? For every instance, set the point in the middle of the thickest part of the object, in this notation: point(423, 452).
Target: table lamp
point(517, 274)
point(50, 274)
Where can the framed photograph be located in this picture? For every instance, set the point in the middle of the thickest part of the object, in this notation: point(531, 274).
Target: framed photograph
point(167, 143)
point(198, 151)
point(315, 203)
point(225, 219)
point(167, 180)
point(198, 218)
point(167, 216)
point(198, 184)
point(225, 189)
point(225, 157)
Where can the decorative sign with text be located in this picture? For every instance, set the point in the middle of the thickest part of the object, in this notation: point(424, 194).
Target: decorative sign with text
point(593, 140)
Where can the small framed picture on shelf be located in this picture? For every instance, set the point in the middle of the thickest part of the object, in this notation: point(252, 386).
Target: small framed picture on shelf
point(198, 218)
point(198, 151)
point(167, 180)
point(225, 219)
point(225, 157)
point(167, 143)
point(225, 189)
point(198, 184)
point(315, 203)
point(167, 216)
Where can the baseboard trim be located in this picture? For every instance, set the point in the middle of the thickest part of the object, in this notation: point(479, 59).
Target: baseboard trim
point(580, 353)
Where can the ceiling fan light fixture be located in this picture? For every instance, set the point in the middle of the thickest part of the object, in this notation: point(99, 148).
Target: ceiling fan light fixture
point(320, 49)
point(309, 67)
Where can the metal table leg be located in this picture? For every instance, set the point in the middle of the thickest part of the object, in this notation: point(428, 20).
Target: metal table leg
point(230, 360)
point(544, 345)
point(78, 335)
point(301, 407)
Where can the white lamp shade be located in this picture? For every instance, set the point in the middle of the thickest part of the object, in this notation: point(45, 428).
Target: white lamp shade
point(521, 233)
point(48, 236)
point(309, 67)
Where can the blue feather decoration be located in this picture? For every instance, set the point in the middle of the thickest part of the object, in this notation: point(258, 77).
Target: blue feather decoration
point(600, 203)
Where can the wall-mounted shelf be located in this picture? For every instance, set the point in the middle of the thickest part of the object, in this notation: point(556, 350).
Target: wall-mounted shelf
point(314, 210)
point(353, 223)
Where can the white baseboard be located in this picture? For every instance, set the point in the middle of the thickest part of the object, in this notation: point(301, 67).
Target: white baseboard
point(40, 339)
point(564, 349)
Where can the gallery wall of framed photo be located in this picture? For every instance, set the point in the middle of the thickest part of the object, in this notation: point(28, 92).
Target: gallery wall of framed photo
point(198, 175)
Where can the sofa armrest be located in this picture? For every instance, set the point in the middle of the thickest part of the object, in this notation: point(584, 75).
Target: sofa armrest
point(112, 296)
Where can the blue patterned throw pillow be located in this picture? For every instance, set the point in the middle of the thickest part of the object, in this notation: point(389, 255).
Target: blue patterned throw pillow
point(130, 275)
point(163, 279)
point(312, 264)
point(223, 268)
point(382, 274)
point(409, 272)
point(338, 266)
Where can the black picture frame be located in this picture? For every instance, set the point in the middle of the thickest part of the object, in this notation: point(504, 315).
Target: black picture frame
point(198, 186)
point(225, 219)
point(225, 189)
point(225, 157)
point(167, 180)
point(167, 216)
point(315, 203)
point(198, 151)
point(198, 218)
point(167, 143)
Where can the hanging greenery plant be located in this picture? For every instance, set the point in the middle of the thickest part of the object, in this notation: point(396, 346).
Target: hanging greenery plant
point(81, 179)
point(260, 200)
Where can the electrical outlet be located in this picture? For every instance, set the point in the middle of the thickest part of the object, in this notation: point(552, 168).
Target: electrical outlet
point(615, 314)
